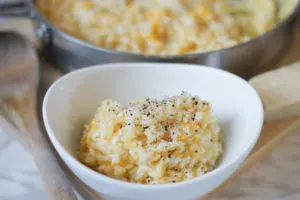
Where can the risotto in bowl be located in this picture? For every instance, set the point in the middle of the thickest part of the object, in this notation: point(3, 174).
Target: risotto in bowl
point(168, 145)
point(152, 141)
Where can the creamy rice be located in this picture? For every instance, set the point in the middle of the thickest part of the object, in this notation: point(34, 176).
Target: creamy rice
point(165, 27)
point(153, 141)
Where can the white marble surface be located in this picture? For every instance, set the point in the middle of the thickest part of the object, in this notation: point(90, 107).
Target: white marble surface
point(19, 178)
point(277, 177)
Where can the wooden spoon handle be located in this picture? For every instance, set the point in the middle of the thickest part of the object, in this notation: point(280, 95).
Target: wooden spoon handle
point(7, 127)
point(50, 171)
point(19, 69)
point(57, 184)
point(56, 181)
point(280, 92)
point(82, 188)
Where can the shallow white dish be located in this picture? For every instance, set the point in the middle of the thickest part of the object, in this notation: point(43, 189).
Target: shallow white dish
point(73, 99)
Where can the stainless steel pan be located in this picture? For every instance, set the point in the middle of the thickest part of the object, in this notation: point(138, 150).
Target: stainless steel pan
point(70, 53)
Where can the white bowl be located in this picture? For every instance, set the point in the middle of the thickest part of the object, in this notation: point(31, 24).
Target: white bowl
point(73, 99)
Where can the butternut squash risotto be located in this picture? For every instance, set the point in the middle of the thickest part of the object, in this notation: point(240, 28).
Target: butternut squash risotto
point(153, 141)
point(165, 27)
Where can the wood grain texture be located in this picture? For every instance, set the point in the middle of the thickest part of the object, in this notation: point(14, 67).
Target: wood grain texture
point(271, 135)
point(19, 73)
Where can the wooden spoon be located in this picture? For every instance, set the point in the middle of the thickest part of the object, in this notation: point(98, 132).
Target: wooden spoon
point(19, 77)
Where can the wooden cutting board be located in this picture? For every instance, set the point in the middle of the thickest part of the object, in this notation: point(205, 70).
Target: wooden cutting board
point(272, 132)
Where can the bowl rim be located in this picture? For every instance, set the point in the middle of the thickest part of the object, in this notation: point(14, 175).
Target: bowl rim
point(294, 13)
point(65, 155)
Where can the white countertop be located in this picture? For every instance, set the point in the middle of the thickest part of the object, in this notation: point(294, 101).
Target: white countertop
point(277, 177)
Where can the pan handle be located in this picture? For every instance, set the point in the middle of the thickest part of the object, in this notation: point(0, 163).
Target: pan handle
point(21, 8)
point(14, 8)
